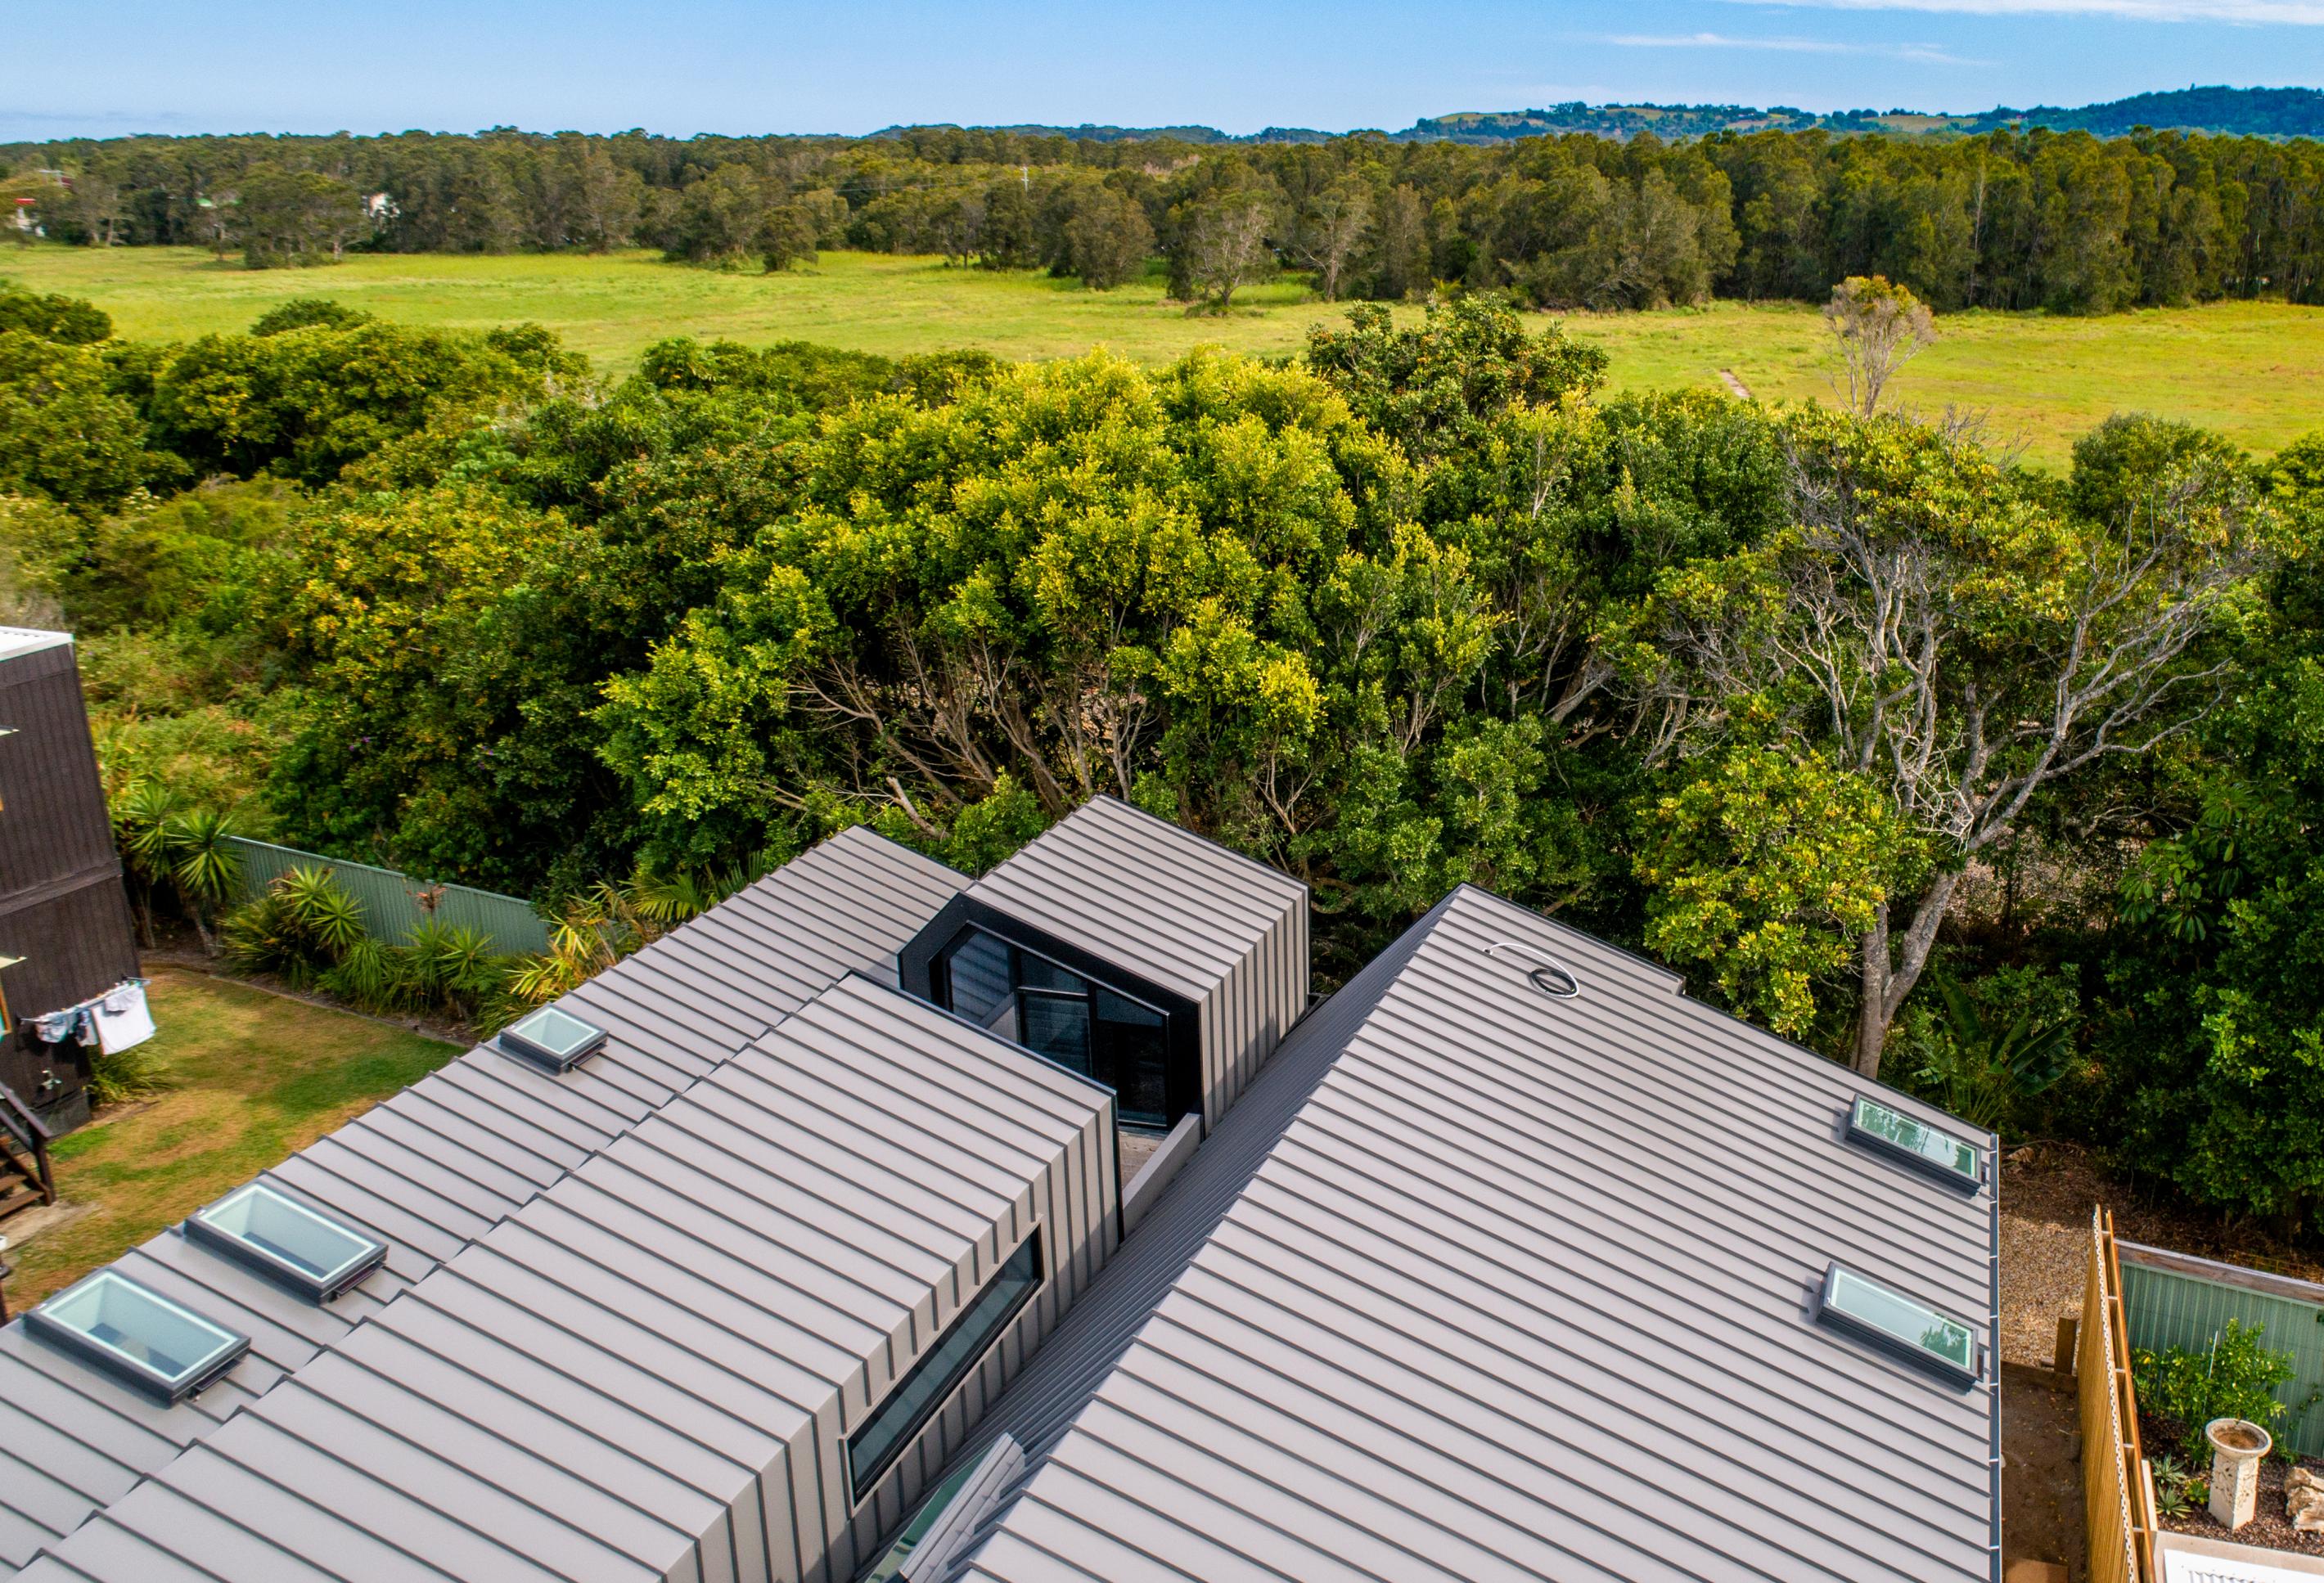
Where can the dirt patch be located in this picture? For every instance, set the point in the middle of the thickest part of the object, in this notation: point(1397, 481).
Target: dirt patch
point(2047, 1192)
point(1137, 1148)
point(2041, 1470)
point(1735, 387)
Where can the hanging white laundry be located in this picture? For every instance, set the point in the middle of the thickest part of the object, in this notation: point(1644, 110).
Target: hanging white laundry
point(123, 1020)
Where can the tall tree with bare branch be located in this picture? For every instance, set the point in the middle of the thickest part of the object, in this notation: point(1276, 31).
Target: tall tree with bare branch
point(1949, 634)
point(1880, 327)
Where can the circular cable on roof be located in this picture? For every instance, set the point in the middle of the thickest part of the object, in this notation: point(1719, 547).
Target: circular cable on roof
point(1555, 982)
point(1551, 977)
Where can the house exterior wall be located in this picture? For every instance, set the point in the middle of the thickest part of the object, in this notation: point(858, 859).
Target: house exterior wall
point(62, 907)
point(1075, 1204)
point(1247, 1013)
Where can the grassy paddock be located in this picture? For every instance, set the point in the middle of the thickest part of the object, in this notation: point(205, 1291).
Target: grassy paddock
point(2249, 370)
point(254, 1078)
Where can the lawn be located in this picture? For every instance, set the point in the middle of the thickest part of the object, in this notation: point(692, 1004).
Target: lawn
point(254, 1078)
point(2252, 370)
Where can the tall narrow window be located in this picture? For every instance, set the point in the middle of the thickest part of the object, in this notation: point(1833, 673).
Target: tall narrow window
point(881, 1437)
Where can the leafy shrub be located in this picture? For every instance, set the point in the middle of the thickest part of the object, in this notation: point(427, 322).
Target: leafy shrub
point(309, 932)
point(297, 931)
point(118, 1076)
point(1993, 1050)
point(2235, 1379)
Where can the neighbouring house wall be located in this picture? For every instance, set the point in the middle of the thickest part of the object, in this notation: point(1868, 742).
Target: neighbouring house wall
point(62, 907)
point(2175, 1300)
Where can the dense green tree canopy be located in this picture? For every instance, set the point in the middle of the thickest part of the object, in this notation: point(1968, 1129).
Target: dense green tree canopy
point(2005, 219)
point(1805, 702)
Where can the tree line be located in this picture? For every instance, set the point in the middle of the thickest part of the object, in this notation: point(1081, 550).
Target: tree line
point(2006, 219)
point(1998, 785)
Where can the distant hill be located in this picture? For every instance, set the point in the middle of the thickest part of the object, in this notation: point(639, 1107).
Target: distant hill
point(2294, 112)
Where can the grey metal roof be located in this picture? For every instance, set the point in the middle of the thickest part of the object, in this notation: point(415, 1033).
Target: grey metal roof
point(610, 1383)
point(16, 640)
point(1144, 894)
point(1519, 1288)
point(435, 1168)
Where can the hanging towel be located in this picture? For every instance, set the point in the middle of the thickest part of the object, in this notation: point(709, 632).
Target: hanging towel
point(57, 1026)
point(122, 1018)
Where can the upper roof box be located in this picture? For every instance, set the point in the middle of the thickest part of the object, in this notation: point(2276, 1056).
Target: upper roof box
point(1146, 911)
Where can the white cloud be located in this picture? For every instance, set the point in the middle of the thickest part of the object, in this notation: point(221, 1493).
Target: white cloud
point(2290, 13)
point(1928, 53)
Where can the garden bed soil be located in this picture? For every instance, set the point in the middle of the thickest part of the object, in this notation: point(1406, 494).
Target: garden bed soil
point(2269, 1528)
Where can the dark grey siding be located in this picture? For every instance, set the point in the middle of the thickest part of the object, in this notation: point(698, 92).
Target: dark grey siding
point(61, 904)
point(1209, 925)
point(1524, 1289)
point(438, 1166)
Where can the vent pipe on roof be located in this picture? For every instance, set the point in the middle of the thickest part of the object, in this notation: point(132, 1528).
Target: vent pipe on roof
point(1551, 977)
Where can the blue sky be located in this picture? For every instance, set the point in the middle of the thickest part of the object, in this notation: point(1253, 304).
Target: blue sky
point(104, 66)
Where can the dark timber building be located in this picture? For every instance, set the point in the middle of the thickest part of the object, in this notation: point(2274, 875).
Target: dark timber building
point(794, 1248)
point(64, 929)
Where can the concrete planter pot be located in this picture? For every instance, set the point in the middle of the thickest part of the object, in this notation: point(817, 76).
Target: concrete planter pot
point(2237, 1444)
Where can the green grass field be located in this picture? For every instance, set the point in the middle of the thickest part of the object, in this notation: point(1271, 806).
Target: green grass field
point(2253, 370)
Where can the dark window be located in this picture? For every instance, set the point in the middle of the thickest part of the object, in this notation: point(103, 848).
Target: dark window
point(1078, 1023)
point(881, 1437)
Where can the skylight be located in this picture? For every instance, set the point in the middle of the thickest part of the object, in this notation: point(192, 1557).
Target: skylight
point(1896, 1134)
point(286, 1242)
point(1911, 1331)
point(552, 1038)
point(136, 1334)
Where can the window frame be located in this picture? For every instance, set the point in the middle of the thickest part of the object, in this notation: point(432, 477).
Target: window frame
point(513, 1040)
point(168, 1389)
point(928, 962)
point(319, 1289)
point(1865, 1137)
point(1832, 1316)
point(863, 1481)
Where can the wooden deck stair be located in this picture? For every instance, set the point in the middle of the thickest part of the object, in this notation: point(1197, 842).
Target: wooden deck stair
point(26, 1179)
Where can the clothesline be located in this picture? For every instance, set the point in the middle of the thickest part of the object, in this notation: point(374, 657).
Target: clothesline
point(112, 1021)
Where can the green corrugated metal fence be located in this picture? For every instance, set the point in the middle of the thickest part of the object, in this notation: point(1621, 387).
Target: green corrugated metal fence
point(2175, 1300)
point(391, 901)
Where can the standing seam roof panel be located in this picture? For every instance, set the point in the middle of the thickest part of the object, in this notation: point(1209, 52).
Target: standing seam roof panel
point(1411, 1300)
point(431, 1171)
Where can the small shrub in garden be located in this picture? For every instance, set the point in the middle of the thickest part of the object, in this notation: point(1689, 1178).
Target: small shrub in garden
point(2236, 1378)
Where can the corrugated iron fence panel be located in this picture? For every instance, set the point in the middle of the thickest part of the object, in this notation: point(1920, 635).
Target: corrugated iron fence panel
point(391, 901)
point(2178, 1308)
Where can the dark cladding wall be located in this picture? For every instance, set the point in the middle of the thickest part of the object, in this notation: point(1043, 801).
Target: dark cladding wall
point(62, 907)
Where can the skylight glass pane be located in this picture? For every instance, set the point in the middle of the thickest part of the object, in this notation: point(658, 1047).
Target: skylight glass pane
point(555, 1039)
point(139, 1334)
point(281, 1237)
point(1920, 1331)
point(1894, 1132)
